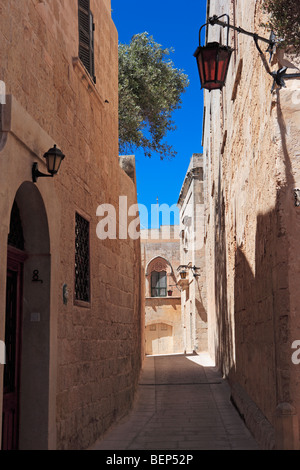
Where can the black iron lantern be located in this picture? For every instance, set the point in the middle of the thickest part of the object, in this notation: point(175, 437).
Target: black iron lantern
point(53, 157)
point(213, 62)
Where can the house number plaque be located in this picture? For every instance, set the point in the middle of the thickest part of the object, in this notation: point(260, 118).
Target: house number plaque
point(36, 276)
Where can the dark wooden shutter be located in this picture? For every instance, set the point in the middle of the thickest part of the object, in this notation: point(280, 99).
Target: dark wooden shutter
point(86, 36)
point(92, 29)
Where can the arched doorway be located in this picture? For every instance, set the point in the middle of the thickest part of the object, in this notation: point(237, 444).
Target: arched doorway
point(27, 325)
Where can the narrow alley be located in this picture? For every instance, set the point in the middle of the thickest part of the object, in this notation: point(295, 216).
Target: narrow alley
point(182, 403)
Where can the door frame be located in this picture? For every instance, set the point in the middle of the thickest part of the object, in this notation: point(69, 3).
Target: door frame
point(15, 263)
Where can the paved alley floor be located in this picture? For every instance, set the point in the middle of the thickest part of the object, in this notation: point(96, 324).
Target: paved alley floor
point(182, 403)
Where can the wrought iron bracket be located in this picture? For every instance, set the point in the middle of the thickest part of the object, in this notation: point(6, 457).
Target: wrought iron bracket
point(37, 174)
point(278, 76)
point(271, 41)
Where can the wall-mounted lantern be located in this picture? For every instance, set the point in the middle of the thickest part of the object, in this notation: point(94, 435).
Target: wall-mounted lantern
point(213, 62)
point(213, 59)
point(182, 269)
point(53, 157)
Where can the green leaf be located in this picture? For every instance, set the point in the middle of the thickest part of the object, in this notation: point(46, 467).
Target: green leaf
point(284, 20)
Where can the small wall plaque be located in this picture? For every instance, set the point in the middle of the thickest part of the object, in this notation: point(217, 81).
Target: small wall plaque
point(36, 276)
point(35, 317)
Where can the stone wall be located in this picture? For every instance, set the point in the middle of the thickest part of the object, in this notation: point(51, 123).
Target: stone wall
point(192, 254)
point(94, 348)
point(251, 151)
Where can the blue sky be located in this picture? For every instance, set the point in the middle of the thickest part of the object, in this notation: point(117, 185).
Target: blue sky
point(172, 24)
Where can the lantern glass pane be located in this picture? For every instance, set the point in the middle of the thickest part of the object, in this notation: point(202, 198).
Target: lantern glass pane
point(51, 162)
point(213, 61)
point(57, 163)
point(200, 68)
point(224, 57)
point(210, 64)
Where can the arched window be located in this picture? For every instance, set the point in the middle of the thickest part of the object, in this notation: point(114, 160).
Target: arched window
point(158, 284)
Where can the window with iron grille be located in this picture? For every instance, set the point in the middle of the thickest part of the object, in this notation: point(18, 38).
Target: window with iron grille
point(86, 36)
point(158, 284)
point(82, 259)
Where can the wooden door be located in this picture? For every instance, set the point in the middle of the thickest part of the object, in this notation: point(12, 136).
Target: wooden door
point(159, 339)
point(11, 386)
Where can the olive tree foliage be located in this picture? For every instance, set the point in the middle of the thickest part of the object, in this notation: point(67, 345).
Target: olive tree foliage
point(150, 89)
point(284, 20)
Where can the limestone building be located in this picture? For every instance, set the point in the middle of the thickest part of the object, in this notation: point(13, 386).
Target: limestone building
point(161, 258)
point(192, 258)
point(69, 301)
point(251, 151)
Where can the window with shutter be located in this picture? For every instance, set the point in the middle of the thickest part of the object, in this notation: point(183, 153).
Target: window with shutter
point(158, 284)
point(86, 36)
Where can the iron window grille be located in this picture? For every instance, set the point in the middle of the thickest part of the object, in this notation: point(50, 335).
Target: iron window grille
point(82, 259)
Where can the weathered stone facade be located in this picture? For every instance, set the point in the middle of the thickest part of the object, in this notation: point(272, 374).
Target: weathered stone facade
point(192, 257)
point(80, 361)
point(163, 323)
point(251, 154)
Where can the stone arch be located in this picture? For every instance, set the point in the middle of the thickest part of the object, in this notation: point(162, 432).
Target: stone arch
point(161, 319)
point(159, 264)
point(34, 219)
point(35, 331)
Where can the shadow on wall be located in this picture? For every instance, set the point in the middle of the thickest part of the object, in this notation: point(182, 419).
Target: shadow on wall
point(199, 303)
point(158, 303)
point(255, 352)
point(201, 310)
point(223, 340)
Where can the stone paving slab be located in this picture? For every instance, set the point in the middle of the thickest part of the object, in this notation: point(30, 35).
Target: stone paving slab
point(182, 403)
